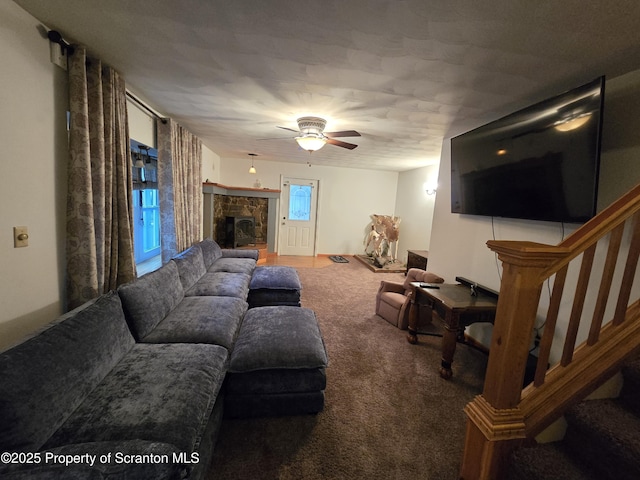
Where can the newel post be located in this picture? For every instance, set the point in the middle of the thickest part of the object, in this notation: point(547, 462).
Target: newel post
point(495, 424)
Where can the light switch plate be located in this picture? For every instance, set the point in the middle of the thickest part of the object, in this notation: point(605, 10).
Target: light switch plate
point(20, 237)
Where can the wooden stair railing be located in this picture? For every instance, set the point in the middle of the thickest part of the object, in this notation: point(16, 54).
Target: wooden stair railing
point(505, 416)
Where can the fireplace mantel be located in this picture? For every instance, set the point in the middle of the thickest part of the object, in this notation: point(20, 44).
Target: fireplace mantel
point(209, 191)
point(239, 191)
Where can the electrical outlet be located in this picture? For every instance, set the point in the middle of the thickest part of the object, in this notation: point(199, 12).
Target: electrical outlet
point(20, 237)
point(58, 55)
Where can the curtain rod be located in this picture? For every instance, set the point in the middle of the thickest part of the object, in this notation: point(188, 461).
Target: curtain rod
point(143, 105)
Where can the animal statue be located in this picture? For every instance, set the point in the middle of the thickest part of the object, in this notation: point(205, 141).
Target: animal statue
point(385, 230)
point(374, 239)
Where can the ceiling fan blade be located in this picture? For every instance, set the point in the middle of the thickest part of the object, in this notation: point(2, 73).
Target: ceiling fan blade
point(344, 133)
point(290, 129)
point(339, 143)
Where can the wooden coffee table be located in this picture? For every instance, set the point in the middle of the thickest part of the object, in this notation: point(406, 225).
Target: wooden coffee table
point(457, 308)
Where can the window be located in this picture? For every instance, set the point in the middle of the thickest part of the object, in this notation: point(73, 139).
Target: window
point(146, 206)
point(300, 202)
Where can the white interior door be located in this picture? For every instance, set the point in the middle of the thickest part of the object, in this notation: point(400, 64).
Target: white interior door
point(299, 204)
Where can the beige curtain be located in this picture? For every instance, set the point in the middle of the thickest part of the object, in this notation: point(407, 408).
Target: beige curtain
point(180, 188)
point(99, 198)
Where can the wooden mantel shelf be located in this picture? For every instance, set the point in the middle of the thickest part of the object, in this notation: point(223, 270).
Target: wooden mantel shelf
point(244, 189)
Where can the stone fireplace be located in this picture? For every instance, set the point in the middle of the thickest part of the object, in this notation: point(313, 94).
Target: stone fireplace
point(221, 202)
point(237, 206)
point(240, 231)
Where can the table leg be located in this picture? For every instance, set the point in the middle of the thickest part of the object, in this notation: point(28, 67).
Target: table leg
point(449, 342)
point(412, 336)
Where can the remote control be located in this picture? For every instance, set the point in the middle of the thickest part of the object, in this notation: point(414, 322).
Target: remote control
point(429, 285)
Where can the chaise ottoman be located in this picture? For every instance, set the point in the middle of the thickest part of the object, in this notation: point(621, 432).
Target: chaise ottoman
point(273, 285)
point(278, 364)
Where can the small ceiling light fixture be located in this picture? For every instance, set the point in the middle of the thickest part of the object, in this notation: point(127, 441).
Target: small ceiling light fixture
point(252, 169)
point(142, 158)
point(139, 163)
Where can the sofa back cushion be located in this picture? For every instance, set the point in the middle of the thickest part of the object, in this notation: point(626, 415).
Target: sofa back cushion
point(46, 377)
point(150, 298)
point(191, 266)
point(211, 251)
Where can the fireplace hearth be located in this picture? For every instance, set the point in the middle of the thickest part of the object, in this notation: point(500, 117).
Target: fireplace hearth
point(240, 231)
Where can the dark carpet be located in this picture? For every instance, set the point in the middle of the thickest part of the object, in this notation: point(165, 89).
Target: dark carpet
point(388, 414)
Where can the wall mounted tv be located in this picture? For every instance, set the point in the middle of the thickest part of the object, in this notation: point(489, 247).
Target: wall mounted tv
point(540, 163)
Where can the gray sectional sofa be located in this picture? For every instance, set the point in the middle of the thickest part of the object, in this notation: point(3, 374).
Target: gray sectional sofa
point(133, 383)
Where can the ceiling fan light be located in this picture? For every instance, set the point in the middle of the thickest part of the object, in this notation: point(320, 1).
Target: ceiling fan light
point(311, 143)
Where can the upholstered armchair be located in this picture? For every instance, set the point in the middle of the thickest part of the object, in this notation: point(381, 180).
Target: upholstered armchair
point(394, 299)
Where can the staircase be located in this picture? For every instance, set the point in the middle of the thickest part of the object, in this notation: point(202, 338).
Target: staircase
point(590, 332)
point(602, 440)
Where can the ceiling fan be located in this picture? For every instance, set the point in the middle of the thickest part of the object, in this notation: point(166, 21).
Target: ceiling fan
point(312, 137)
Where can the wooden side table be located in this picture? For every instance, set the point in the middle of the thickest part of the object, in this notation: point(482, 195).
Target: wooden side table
point(457, 308)
point(417, 259)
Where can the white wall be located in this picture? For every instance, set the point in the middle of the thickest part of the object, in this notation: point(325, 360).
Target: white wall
point(458, 242)
point(415, 209)
point(347, 197)
point(33, 102)
point(210, 165)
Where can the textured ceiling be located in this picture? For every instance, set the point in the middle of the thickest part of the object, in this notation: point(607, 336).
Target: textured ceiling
point(405, 74)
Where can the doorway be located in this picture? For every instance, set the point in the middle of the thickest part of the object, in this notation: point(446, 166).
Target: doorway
point(298, 213)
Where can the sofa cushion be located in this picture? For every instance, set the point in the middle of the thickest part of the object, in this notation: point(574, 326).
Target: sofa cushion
point(214, 320)
point(275, 277)
point(241, 253)
point(274, 285)
point(234, 265)
point(158, 392)
point(211, 251)
point(45, 378)
point(273, 404)
point(277, 380)
point(150, 298)
point(278, 337)
point(226, 284)
point(190, 266)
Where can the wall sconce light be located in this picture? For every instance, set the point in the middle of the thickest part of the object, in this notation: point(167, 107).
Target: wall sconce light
point(252, 169)
point(430, 188)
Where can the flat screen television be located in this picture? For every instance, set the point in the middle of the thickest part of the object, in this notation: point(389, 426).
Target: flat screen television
point(539, 163)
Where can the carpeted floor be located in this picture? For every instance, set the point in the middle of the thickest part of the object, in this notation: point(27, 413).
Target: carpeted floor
point(388, 414)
